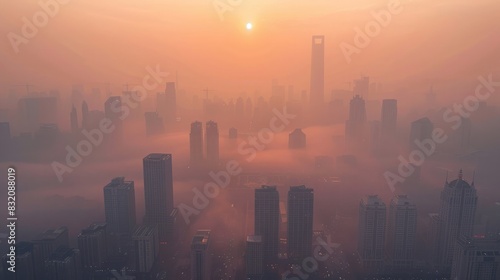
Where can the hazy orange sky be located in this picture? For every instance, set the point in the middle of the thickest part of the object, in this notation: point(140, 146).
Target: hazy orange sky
point(97, 41)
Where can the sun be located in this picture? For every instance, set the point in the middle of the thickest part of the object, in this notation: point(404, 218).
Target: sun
point(249, 26)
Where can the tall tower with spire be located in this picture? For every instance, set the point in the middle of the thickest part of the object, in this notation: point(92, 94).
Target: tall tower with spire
point(456, 217)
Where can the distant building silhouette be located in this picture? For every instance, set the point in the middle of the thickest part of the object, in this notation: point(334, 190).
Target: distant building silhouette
point(355, 128)
point(267, 221)
point(146, 248)
point(93, 243)
point(154, 123)
point(201, 260)
point(167, 103)
point(371, 238)
point(158, 192)
point(421, 130)
point(401, 233)
point(297, 139)
point(300, 222)
point(46, 243)
point(85, 114)
point(317, 71)
point(389, 118)
point(476, 258)
point(113, 111)
point(196, 143)
point(254, 258)
point(457, 212)
point(212, 142)
point(35, 110)
point(119, 206)
point(25, 263)
point(74, 120)
point(362, 87)
point(233, 133)
point(64, 264)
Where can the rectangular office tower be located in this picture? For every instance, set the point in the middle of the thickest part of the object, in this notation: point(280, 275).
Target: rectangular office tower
point(119, 206)
point(64, 264)
point(92, 243)
point(371, 238)
point(254, 258)
point(317, 70)
point(46, 243)
point(25, 263)
point(212, 139)
point(401, 233)
point(457, 213)
point(158, 192)
point(300, 222)
point(267, 221)
point(146, 248)
point(201, 256)
point(389, 117)
point(476, 258)
point(196, 143)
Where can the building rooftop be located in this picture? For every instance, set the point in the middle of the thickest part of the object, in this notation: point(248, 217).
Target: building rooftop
point(158, 156)
point(52, 234)
point(119, 182)
point(254, 238)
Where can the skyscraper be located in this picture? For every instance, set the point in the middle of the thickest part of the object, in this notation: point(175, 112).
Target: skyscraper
point(476, 258)
point(119, 206)
point(46, 243)
point(74, 120)
point(267, 221)
point(92, 243)
point(158, 191)
point(196, 143)
point(25, 263)
point(146, 248)
point(113, 111)
point(212, 139)
point(389, 117)
point(355, 128)
point(201, 256)
point(297, 139)
point(421, 130)
point(64, 264)
point(457, 212)
point(317, 70)
point(254, 257)
point(300, 222)
point(167, 103)
point(362, 87)
point(85, 114)
point(371, 238)
point(154, 123)
point(402, 231)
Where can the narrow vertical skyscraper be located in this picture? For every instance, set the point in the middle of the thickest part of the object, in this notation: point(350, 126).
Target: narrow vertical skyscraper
point(74, 120)
point(113, 111)
point(212, 140)
point(119, 206)
point(201, 256)
point(196, 143)
point(389, 117)
point(317, 70)
point(158, 191)
point(254, 258)
point(420, 130)
point(146, 248)
point(402, 231)
point(267, 221)
point(85, 114)
point(355, 128)
point(92, 243)
point(457, 212)
point(300, 222)
point(371, 238)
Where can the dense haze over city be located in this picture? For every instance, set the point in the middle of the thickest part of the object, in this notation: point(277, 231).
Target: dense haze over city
point(252, 73)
